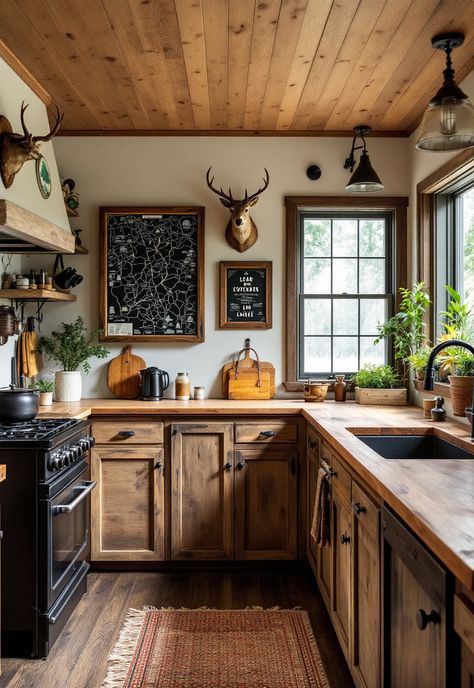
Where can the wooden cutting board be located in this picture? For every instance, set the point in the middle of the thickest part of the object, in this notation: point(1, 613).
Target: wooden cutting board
point(245, 363)
point(123, 374)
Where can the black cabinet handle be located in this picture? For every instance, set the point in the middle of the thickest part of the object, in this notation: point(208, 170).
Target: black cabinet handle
point(423, 619)
point(345, 539)
point(267, 433)
point(358, 508)
point(125, 434)
point(311, 444)
point(241, 465)
point(158, 464)
point(227, 466)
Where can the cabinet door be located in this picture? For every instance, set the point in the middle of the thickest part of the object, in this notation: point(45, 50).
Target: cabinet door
point(341, 570)
point(265, 520)
point(127, 506)
point(320, 556)
point(201, 491)
point(366, 640)
point(414, 612)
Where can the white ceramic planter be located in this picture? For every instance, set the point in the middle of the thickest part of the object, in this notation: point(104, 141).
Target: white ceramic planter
point(68, 385)
point(45, 398)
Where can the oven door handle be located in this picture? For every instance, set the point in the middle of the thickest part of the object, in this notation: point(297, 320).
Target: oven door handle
point(86, 487)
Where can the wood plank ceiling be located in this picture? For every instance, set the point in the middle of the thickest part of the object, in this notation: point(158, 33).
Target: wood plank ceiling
point(221, 66)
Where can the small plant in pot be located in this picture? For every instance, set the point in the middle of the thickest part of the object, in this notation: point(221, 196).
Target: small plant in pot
point(419, 360)
point(379, 384)
point(72, 347)
point(45, 391)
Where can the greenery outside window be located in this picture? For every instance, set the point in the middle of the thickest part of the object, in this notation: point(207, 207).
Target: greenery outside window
point(345, 290)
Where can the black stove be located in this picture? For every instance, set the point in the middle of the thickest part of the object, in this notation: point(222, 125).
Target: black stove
point(45, 504)
point(39, 429)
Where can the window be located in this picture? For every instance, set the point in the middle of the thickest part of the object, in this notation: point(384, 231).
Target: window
point(345, 290)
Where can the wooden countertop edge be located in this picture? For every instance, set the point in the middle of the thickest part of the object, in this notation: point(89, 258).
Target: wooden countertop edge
point(329, 428)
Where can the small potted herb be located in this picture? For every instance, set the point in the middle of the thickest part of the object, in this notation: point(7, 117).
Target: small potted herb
point(45, 390)
point(379, 384)
point(71, 347)
point(419, 360)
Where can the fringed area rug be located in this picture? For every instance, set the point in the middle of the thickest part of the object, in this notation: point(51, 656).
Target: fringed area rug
point(206, 648)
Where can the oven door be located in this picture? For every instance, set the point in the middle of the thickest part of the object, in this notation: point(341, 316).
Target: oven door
point(67, 530)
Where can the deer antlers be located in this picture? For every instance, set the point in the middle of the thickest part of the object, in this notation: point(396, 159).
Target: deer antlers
point(228, 198)
point(48, 137)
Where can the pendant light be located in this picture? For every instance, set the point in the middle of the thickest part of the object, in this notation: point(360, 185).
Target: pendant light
point(448, 122)
point(365, 178)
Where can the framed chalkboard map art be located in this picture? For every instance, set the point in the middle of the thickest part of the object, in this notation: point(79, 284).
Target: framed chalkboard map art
point(245, 295)
point(152, 274)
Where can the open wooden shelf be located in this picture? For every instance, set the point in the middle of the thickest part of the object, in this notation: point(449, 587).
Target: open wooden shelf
point(35, 295)
point(81, 249)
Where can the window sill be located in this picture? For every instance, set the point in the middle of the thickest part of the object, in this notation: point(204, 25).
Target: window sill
point(299, 385)
point(441, 388)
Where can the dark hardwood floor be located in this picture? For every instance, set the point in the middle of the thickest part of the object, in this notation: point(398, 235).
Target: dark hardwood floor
point(79, 658)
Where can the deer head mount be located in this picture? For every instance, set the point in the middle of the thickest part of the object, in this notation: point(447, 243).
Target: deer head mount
point(16, 149)
point(241, 231)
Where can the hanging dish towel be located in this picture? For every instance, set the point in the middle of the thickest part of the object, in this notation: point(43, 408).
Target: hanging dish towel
point(321, 513)
point(32, 357)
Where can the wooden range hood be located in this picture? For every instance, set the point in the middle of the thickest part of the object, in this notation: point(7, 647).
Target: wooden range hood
point(21, 231)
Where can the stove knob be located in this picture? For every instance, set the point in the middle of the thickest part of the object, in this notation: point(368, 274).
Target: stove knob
point(58, 462)
point(91, 441)
point(50, 465)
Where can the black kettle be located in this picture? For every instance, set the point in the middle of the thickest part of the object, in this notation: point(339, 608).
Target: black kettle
point(154, 383)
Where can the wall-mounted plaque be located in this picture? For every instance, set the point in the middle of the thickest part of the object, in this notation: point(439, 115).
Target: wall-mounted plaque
point(152, 274)
point(245, 295)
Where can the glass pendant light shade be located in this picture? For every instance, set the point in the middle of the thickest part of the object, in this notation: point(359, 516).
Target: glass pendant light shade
point(447, 125)
point(364, 177)
point(448, 122)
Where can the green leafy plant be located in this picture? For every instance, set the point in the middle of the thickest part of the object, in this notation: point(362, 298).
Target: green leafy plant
point(73, 346)
point(407, 327)
point(419, 358)
point(457, 324)
point(43, 385)
point(464, 364)
point(376, 377)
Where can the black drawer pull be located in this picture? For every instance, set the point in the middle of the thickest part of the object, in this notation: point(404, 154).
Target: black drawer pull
point(345, 539)
point(125, 434)
point(227, 466)
point(312, 444)
point(423, 619)
point(241, 465)
point(358, 508)
point(267, 433)
point(158, 464)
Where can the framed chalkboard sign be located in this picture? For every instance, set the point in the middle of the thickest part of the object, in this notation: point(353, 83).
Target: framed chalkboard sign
point(152, 274)
point(245, 295)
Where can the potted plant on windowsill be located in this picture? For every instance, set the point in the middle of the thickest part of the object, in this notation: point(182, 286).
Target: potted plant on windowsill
point(71, 347)
point(419, 360)
point(379, 384)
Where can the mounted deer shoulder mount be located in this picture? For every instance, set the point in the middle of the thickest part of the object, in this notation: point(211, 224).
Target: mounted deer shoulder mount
point(241, 231)
point(16, 149)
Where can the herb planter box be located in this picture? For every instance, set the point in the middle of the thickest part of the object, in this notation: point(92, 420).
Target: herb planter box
point(385, 397)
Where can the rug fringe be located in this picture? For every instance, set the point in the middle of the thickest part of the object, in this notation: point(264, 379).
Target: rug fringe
point(122, 654)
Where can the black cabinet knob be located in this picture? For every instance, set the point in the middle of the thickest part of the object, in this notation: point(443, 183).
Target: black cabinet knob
point(345, 539)
point(158, 464)
point(227, 466)
point(358, 508)
point(125, 434)
point(241, 465)
point(312, 444)
point(423, 619)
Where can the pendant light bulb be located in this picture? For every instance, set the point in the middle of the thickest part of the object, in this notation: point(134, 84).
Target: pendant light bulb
point(448, 122)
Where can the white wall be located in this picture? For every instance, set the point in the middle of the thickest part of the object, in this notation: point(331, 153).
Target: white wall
point(24, 190)
point(171, 171)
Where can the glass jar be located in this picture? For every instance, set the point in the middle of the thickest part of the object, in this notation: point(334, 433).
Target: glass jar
point(199, 393)
point(182, 387)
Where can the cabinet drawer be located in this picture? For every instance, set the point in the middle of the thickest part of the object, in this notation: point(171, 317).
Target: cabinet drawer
point(124, 432)
point(266, 433)
point(464, 620)
point(368, 512)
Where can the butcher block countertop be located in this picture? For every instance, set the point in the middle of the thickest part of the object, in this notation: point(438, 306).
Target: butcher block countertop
point(434, 497)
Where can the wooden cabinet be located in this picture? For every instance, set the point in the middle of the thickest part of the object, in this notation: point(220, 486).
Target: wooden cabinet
point(265, 504)
point(464, 627)
point(415, 624)
point(127, 504)
point(366, 601)
point(202, 491)
point(341, 570)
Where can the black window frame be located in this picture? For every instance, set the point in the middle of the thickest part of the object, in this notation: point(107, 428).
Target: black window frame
point(389, 295)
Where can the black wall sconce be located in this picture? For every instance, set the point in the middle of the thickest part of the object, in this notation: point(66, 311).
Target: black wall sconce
point(448, 122)
point(313, 172)
point(365, 178)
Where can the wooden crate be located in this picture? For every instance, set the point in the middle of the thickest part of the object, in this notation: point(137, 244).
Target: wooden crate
point(384, 397)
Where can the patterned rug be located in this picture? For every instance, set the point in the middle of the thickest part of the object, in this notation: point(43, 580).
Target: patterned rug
point(206, 648)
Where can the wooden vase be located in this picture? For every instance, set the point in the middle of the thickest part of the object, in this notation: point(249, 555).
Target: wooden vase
point(461, 387)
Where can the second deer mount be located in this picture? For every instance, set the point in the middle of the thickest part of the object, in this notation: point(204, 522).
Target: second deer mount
point(16, 149)
point(241, 231)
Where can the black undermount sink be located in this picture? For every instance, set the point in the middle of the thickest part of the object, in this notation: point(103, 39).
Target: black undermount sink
point(414, 447)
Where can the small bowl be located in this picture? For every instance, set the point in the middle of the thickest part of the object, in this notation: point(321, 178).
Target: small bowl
point(315, 391)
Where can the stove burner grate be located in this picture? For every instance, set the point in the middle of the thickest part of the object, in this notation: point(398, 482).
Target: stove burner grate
point(37, 429)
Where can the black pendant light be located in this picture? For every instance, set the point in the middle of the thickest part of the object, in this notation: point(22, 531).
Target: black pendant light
point(448, 122)
point(365, 178)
